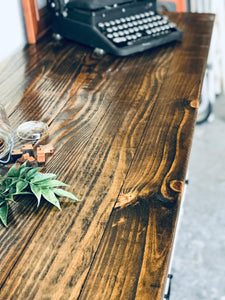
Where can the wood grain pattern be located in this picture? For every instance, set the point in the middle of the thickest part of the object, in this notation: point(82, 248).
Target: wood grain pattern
point(171, 126)
point(122, 131)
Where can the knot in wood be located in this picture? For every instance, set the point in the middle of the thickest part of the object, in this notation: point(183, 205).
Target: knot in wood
point(125, 200)
point(194, 104)
point(177, 185)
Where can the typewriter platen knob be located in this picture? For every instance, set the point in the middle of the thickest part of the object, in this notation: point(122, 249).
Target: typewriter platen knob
point(56, 5)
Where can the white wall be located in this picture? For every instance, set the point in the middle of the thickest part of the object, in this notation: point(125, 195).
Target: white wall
point(217, 52)
point(12, 28)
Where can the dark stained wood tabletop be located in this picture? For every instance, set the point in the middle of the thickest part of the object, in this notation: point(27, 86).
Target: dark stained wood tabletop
point(122, 131)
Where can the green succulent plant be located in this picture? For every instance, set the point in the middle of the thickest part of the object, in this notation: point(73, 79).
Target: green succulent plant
point(28, 180)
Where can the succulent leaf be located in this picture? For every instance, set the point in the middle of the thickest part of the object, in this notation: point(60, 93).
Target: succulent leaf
point(36, 190)
point(42, 177)
point(12, 171)
point(31, 173)
point(20, 186)
point(4, 212)
point(49, 195)
point(51, 183)
point(27, 180)
point(63, 193)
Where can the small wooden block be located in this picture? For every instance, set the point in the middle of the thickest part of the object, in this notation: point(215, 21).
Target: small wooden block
point(26, 156)
point(28, 148)
point(23, 158)
point(48, 149)
point(40, 150)
point(16, 153)
point(40, 157)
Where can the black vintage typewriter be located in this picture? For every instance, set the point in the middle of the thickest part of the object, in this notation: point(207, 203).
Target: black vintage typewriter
point(121, 27)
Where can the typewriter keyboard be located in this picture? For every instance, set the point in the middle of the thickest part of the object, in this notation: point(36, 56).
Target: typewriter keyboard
point(136, 29)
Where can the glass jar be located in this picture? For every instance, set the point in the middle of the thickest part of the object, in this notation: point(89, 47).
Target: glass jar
point(6, 137)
